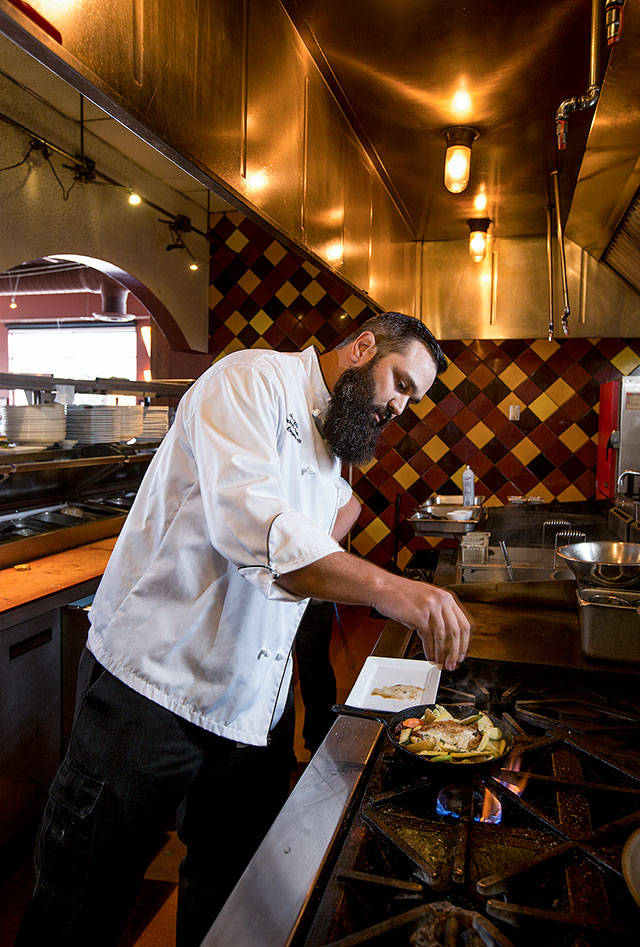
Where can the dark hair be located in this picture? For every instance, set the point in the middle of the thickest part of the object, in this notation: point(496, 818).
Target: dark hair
point(394, 331)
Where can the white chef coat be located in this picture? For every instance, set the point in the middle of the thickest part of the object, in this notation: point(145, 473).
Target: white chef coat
point(241, 490)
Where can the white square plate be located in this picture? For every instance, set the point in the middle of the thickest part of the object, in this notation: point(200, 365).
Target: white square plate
point(384, 672)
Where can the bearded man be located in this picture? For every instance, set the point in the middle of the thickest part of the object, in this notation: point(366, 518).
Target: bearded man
point(183, 688)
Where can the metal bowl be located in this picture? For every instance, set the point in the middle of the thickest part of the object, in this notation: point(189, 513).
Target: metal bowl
point(604, 564)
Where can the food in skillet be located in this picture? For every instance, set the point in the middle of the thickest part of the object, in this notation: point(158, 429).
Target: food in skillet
point(439, 737)
point(398, 691)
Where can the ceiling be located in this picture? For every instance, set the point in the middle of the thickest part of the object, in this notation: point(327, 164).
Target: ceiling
point(395, 65)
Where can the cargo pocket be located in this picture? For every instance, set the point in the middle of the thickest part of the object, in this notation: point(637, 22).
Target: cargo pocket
point(65, 844)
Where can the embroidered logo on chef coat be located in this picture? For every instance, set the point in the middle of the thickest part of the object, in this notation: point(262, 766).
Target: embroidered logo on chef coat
point(292, 428)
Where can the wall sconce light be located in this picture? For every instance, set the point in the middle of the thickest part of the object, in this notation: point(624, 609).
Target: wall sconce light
point(457, 159)
point(478, 237)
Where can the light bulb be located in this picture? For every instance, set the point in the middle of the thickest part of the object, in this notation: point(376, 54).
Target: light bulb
point(193, 266)
point(457, 163)
point(13, 304)
point(457, 159)
point(134, 199)
point(477, 245)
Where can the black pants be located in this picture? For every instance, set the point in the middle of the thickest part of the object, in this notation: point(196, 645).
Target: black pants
point(317, 679)
point(130, 769)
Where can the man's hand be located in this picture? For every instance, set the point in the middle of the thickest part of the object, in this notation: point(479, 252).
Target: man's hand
point(443, 625)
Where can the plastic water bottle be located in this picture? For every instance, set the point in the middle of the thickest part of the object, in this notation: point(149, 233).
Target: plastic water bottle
point(468, 487)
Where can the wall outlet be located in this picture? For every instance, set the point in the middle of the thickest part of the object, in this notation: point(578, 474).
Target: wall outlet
point(514, 412)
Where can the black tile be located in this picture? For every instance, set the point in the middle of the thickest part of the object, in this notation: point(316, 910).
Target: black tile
point(513, 347)
point(572, 468)
point(274, 308)
point(528, 421)
point(496, 390)
point(540, 467)
point(261, 267)
point(225, 281)
point(466, 391)
point(248, 336)
point(493, 479)
point(248, 308)
point(450, 434)
point(438, 391)
point(544, 376)
point(449, 463)
point(589, 423)
point(495, 450)
point(452, 348)
point(377, 502)
point(326, 334)
point(300, 279)
point(407, 448)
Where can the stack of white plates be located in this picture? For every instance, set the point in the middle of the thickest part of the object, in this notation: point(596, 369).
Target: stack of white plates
point(93, 423)
point(33, 423)
point(156, 423)
point(131, 421)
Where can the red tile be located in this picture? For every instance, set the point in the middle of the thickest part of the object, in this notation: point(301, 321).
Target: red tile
point(557, 453)
point(420, 462)
point(484, 348)
point(467, 361)
point(558, 422)
point(556, 482)
point(464, 449)
point(481, 406)
point(528, 362)
point(392, 434)
point(576, 408)
point(560, 361)
point(587, 454)
point(541, 436)
point(436, 420)
point(482, 376)
point(480, 464)
point(377, 475)
point(577, 347)
point(576, 377)
point(435, 477)
point(524, 481)
point(528, 391)
point(586, 484)
point(496, 421)
point(390, 461)
point(451, 405)
point(510, 435)
point(509, 465)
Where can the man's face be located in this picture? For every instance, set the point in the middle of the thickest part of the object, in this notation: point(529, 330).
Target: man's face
point(365, 398)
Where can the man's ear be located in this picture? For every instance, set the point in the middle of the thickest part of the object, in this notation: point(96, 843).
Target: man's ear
point(363, 349)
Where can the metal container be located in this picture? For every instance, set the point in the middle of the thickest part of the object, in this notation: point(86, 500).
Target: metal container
point(609, 565)
point(609, 624)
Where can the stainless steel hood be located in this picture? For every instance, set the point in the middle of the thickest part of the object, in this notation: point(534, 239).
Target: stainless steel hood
point(604, 217)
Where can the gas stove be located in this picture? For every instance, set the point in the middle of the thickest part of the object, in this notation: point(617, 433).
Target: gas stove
point(529, 852)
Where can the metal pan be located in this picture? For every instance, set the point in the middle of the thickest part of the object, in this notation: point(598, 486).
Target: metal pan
point(438, 769)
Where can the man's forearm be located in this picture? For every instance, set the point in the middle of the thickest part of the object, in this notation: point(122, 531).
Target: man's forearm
point(437, 616)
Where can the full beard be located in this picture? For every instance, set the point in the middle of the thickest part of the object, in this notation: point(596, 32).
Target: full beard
point(350, 427)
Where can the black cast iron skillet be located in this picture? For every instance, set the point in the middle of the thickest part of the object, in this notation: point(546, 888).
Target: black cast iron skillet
point(458, 711)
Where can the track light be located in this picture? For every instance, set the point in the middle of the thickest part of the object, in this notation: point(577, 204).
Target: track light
point(134, 199)
point(457, 159)
point(478, 237)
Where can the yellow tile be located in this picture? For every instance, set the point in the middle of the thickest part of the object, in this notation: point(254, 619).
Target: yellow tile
point(570, 495)
point(236, 241)
point(403, 557)
point(541, 491)
point(435, 449)
point(365, 468)
point(512, 376)
point(235, 323)
point(423, 407)
point(525, 451)
point(313, 293)
point(452, 376)
point(493, 500)
point(377, 530)
point(544, 349)
point(261, 322)
point(626, 361)
point(509, 400)
point(363, 543)
point(235, 346)
point(353, 305)
point(480, 434)
point(287, 293)
point(406, 476)
point(310, 268)
point(214, 296)
point(543, 407)
point(235, 217)
point(274, 252)
point(261, 343)
point(318, 344)
point(248, 281)
point(574, 437)
point(560, 391)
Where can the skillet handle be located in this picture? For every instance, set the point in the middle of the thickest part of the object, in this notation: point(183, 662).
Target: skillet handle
point(380, 716)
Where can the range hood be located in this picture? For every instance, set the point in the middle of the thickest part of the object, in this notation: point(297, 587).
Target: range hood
point(604, 217)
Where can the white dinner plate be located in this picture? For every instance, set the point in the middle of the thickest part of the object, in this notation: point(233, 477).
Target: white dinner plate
point(631, 864)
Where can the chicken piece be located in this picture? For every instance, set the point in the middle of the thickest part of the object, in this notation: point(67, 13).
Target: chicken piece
point(453, 735)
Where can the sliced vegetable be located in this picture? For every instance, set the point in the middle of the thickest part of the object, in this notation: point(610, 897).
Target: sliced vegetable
point(405, 736)
point(412, 722)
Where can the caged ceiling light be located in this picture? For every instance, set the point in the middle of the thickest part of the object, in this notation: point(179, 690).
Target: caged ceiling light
point(478, 237)
point(457, 159)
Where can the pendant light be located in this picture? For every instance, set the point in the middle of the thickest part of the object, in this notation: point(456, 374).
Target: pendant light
point(457, 159)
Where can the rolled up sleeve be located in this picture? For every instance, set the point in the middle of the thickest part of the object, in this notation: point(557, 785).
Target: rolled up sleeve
point(234, 437)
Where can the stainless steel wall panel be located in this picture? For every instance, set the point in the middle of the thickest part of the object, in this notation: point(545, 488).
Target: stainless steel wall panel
point(323, 209)
point(393, 263)
point(357, 213)
point(277, 61)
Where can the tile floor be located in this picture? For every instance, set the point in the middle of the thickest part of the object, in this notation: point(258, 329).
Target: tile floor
point(152, 920)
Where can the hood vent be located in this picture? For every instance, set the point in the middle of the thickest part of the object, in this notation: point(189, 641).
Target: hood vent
point(623, 251)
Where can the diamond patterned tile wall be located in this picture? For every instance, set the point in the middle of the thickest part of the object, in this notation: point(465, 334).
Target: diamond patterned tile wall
point(262, 294)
